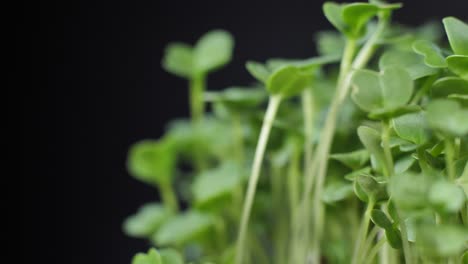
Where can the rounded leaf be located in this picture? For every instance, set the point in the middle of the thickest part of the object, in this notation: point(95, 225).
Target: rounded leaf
point(178, 60)
point(410, 61)
point(457, 33)
point(183, 228)
point(288, 81)
point(412, 127)
point(458, 64)
point(147, 220)
point(448, 116)
point(432, 54)
point(152, 257)
point(446, 197)
point(152, 161)
point(212, 51)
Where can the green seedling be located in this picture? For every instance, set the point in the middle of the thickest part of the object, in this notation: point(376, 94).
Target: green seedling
point(361, 161)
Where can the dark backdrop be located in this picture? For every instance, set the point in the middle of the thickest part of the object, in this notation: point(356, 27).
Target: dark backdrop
point(98, 87)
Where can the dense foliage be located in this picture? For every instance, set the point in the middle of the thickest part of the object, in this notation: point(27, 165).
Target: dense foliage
point(360, 156)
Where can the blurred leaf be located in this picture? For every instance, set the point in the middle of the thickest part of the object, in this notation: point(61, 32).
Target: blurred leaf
point(352, 175)
point(183, 228)
point(446, 86)
point(337, 191)
point(370, 138)
point(152, 257)
point(288, 81)
point(432, 54)
point(374, 191)
point(458, 64)
point(409, 190)
point(411, 62)
point(354, 160)
point(171, 256)
point(356, 16)
point(457, 33)
point(217, 183)
point(334, 13)
point(152, 161)
point(412, 127)
point(258, 71)
point(380, 218)
point(448, 117)
point(386, 91)
point(147, 220)
point(403, 164)
point(239, 98)
point(330, 43)
point(441, 240)
point(212, 51)
point(178, 60)
point(446, 197)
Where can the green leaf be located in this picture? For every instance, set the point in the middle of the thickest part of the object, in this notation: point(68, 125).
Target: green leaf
point(152, 257)
point(178, 60)
point(370, 138)
point(352, 175)
point(288, 81)
point(457, 33)
point(152, 161)
point(212, 51)
point(310, 65)
point(147, 220)
point(441, 240)
point(380, 218)
point(446, 197)
point(462, 181)
point(432, 54)
point(397, 87)
point(394, 237)
point(458, 64)
point(216, 184)
point(334, 13)
point(448, 116)
point(446, 86)
point(330, 43)
point(403, 164)
point(356, 16)
point(386, 91)
point(409, 190)
point(374, 191)
point(354, 160)
point(411, 62)
point(412, 127)
point(239, 98)
point(337, 191)
point(183, 228)
point(171, 256)
point(366, 90)
point(258, 71)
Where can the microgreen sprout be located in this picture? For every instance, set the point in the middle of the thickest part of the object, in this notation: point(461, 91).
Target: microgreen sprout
point(362, 161)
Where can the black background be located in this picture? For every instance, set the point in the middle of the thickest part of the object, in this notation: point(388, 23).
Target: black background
point(98, 87)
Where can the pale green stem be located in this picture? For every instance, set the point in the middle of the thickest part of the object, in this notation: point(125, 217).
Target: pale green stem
point(449, 158)
point(362, 233)
point(238, 137)
point(168, 197)
point(389, 168)
point(197, 104)
point(344, 83)
point(270, 114)
point(373, 252)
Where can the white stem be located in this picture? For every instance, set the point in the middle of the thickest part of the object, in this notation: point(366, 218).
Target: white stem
point(270, 114)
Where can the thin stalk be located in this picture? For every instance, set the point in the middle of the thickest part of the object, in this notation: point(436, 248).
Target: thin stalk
point(197, 104)
point(344, 83)
point(389, 167)
point(362, 233)
point(308, 112)
point(373, 252)
point(389, 172)
point(449, 158)
point(168, 197)
point(271, 111)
